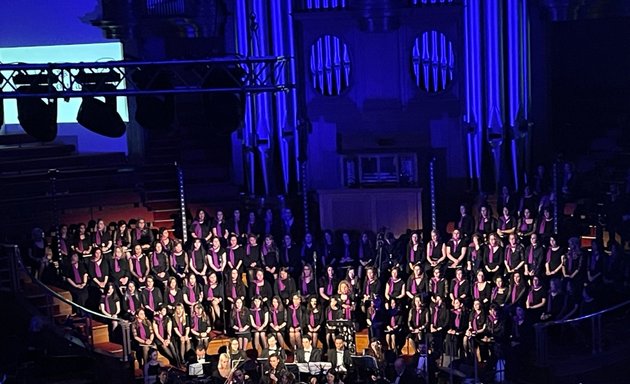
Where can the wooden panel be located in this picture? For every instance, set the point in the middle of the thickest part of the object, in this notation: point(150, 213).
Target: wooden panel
point(100, 333)
point(216, 343)
point(362, 341)
point(371, 209)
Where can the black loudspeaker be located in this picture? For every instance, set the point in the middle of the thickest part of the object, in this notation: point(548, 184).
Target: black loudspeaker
point(154, 112)
point(101, 117)
point(224, 110)
point(37, 118)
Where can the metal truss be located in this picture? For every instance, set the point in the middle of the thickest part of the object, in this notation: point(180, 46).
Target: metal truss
point(125, 78)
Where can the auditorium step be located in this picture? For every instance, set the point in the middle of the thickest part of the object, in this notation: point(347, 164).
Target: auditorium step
point(108, 348)
point(34, 151)
point(100, 333)
point(62, 162)
point(17, 139)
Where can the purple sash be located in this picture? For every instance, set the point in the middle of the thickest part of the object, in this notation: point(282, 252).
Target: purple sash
point(256, 316)
point(238, 319)
point(294, 318)
point(191, 294)
point(143, 332)
point(132, 304)
point(77, 274)
point(151, 302)
point(197, 229)
point(97, 269)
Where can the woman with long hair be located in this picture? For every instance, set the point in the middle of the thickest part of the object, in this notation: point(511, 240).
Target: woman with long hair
point(295, 320)
point(200, 326)
point(284, 286)
point(234, 287)
point(159, 264)
point(172, 295)
point(307, 281)
point(417, 283)
point(163, 331)
point(277, 319)
point(313, 319)
point(327, 284)
point(142, 333)
point(269, 257)
point(192, 292)
point(119, 268)
point(139, 265)
point(197, 260)
point(240, 323)
point(476, 329)
point(333, 313)
point(213, 296)
point(152, 367)
point(110, 304)
point(259, 319)
point(181, 329)
point(224, 369)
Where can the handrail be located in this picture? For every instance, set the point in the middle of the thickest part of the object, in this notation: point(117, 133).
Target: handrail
point(125, 324)
point(596, 332)
point(576, 319)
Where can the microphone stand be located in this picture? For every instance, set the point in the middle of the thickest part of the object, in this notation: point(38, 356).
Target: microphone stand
point(224, 301)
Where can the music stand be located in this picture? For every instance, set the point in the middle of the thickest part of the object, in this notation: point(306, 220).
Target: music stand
point(314, 368)
point(195, 369)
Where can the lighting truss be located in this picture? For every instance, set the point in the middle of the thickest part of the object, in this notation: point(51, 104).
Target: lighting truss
point(65, 80)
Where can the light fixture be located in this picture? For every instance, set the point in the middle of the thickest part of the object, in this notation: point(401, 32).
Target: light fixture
point(37, 117)
point(96, 115)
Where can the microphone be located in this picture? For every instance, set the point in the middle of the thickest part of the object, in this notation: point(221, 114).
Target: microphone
point(314, 256)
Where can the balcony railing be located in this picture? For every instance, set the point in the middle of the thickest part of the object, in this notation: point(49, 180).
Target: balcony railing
point(10, 254)
point(593, 334)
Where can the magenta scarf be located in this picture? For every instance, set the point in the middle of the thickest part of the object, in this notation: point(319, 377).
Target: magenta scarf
point(191, 294)
point(294, 316)
point(143, 332)
point(77, 274)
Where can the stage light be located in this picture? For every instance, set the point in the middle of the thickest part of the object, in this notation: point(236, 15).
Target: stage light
point(96, 115)
point(37, 117)
point(154, 112)
point(101, 117)
point(224, 110)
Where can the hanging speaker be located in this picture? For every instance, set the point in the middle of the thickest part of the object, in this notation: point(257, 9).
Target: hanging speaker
point(224, 110)
point(101, 117)
point(154, 112)
point(37, 117)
